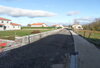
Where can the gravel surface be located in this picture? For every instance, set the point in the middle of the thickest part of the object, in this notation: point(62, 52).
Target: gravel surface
point(40, 54)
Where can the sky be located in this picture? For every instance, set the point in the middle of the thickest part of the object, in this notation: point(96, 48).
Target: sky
point(49, 11)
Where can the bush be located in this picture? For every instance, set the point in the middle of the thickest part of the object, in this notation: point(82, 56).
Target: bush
point(93, 26)
point(11, 37)
point(35, 31)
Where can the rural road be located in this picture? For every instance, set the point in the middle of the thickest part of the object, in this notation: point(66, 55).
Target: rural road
point(45, 53)
point(89, 55)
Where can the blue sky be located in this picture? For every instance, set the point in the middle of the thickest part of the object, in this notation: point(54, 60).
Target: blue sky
point(86, 9)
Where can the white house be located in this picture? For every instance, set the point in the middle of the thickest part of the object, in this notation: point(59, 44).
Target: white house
point(38, 25)
point(77, 26)
point(5, 24)
point(15, 26)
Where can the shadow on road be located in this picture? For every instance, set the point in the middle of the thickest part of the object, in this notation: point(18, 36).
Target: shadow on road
point(40, 54)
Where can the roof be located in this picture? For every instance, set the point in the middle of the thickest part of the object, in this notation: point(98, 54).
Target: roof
point(54, 25)
point(14, 24)
point(57, 25)
point(37, 23)
point(4, 19)
point(1, 24)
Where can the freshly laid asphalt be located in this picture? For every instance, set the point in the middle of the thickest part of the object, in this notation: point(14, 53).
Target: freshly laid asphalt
point(41, 54)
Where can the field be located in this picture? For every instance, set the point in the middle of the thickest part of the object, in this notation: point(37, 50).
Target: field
point(38, 27)
point(10, 35)
point(92, 36)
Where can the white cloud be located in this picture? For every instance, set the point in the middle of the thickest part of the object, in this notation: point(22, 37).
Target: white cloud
point(17, 12)
point(73, 13)
point(88, 18)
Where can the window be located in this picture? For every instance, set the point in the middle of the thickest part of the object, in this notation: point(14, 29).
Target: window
point(2, 22)
point(79, 27)
point(0, 25)
point(13, 26)
point(19, 26)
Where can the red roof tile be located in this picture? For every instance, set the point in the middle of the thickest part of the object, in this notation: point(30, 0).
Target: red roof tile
point(14, 24)
point(56, 25)
point(37, 24)
point(4, 19)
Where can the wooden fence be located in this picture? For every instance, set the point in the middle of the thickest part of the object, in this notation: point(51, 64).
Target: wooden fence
point(92, 36)
point(88, 33)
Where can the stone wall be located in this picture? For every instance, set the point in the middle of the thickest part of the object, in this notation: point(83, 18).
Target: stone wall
point(21, 41)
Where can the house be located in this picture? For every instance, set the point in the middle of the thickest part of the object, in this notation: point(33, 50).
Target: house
point(38, 25)
point(58, 26)
point(6, 24)
point(77, 27)
point(15, 26)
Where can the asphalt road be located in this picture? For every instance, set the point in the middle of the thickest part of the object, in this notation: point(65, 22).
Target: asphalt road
point(89, 55)
point(40, 54)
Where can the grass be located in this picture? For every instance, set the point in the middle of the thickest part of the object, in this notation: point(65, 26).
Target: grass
point(38, 27)
point(94, 37)
point(10, 35)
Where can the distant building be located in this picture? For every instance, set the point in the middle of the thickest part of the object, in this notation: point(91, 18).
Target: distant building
point(38, 25)
point(58, 26)
point(15, 26)
point(77, 26)
point(5, 24)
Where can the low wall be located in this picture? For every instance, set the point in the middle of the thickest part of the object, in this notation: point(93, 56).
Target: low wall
point(7, 42)
point(34, 37)
point(21, 41)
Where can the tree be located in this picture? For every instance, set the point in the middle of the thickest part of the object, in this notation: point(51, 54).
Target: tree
point(93, 26)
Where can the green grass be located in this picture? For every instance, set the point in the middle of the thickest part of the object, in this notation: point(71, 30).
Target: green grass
point(96, 35)
point(94, 38)
point(38, 27)
point(93, 35)
point(10, 35)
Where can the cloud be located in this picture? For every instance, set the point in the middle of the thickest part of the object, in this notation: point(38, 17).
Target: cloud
point(73, 13)
point(17, 12)
point(88, 18)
